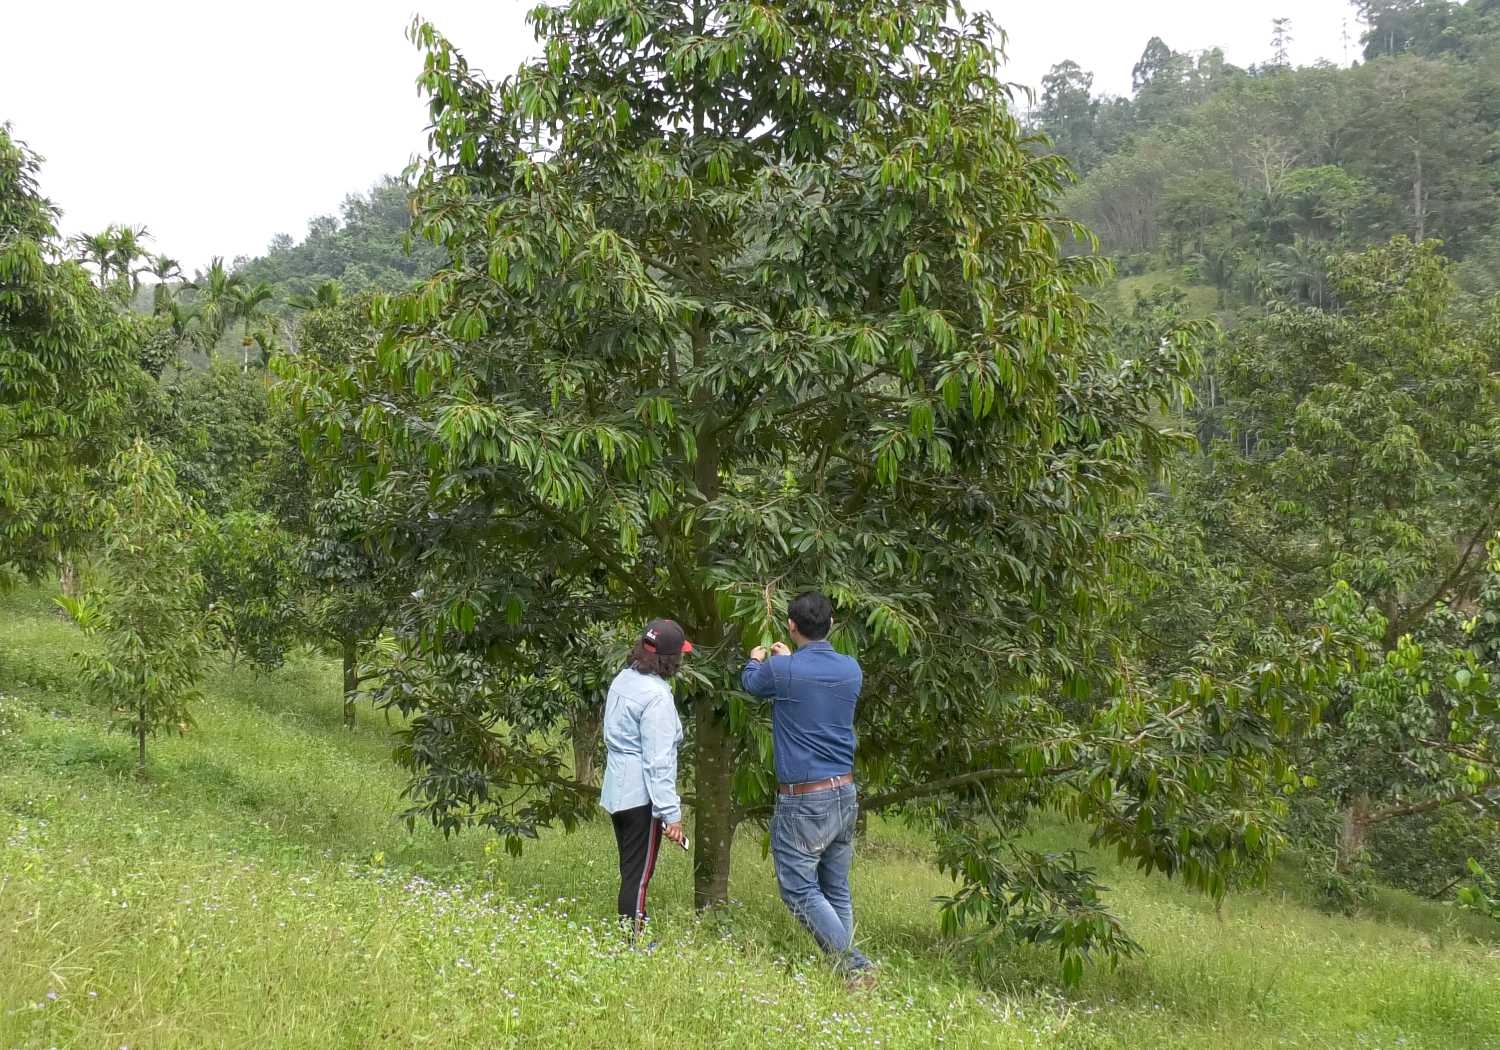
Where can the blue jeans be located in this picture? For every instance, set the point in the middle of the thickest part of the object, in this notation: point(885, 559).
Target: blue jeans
point(812, 844)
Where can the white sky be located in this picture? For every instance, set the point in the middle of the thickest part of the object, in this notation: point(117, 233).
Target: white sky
point(218, 125)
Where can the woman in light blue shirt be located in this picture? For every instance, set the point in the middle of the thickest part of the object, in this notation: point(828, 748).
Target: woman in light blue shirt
point(641, 735)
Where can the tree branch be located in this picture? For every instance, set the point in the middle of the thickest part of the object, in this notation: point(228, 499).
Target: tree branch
point(733, 420)
point(1463, 752)
point(657, 264)
point(1273, 561)
point(1413, 808)
point(1412, 615)
point(688, 801)
point(630, 580)
point(937, 787)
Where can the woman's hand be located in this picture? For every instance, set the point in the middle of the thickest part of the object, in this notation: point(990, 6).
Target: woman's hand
point(673, 831)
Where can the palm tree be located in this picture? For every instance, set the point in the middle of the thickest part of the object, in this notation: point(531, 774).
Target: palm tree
point(248, 307)
point(127, 247)
point(183, 322)
point(164, 270)
point(328, 294)
point(1215, 263)
point(218, 292)
point(1260, 281)
point(97, 248)
point(1304, 267)
point(267, 343)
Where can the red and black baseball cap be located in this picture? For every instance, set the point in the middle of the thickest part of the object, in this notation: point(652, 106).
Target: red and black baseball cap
point(664, 636)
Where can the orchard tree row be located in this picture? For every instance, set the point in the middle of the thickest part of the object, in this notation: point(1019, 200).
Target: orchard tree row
point(171, 500)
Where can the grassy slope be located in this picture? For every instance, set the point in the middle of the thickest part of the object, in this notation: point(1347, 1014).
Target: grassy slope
point(1202, 300)
point(257, 893)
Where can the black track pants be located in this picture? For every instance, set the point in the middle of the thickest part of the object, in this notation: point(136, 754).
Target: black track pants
point(638, 834)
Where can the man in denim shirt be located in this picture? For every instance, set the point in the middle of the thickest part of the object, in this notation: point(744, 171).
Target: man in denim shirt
point(814, 692)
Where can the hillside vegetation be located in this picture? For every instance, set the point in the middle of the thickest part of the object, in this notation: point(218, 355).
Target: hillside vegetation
point(1172, 567)
point(256, 892)
point(1251, 179)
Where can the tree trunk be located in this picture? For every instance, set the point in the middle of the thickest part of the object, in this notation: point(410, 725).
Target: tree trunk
point(351, 679)
point(67, 578)
point(1419, 199)
point(713, 767)
point(588, 724)
point(713, 830)
point(1351, 836)
point(140, 741)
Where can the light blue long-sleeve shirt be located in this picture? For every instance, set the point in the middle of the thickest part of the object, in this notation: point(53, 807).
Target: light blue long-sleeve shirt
point(641, 735)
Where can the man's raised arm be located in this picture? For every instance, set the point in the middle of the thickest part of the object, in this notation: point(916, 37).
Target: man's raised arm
point(757, 679)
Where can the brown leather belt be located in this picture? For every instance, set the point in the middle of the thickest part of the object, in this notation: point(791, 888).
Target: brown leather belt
point(809, 786)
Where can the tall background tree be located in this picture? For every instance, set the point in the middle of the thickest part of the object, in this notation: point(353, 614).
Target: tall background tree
point(250, 587)
point(1374, 458)
point(353, 586)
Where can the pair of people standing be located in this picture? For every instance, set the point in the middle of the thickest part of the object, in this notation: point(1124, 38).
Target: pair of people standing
point(814, 690)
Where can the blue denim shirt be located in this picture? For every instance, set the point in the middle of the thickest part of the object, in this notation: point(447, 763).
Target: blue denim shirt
point(815, 690)
point(641, 736)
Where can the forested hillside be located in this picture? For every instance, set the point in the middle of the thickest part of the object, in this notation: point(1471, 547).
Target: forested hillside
point(1188, 541)
point(365, 248)
point(1249, 180)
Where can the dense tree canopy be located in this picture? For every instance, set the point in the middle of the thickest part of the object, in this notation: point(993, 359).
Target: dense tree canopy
point(364, 248)
point(1376, 428)
point(1368, 451)
point(67, 372)
point(1426, 27)
point(1350, 414)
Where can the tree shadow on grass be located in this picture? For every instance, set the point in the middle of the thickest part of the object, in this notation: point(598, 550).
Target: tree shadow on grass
point(219, 796)
point(302, 690)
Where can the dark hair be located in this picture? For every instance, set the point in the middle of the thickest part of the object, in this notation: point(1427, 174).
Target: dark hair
point(812, 612)
point(663, 665)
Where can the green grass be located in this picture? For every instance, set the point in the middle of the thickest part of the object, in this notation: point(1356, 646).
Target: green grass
point(1202, 300)
point(257, 892)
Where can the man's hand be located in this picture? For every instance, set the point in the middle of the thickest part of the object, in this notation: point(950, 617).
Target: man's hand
point(758, 653)
point(780, 649)
point(673, 831)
